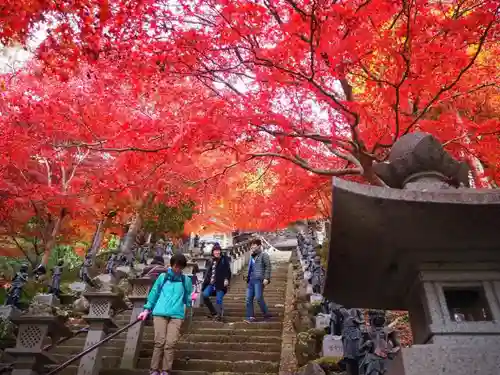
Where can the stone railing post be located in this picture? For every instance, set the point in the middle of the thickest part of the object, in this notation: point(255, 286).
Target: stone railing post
point(239, 259)
point(102, 303)
point(201, 262)
point(140, 291)
point(232, 255)
point(246, 248)
point(34, 326)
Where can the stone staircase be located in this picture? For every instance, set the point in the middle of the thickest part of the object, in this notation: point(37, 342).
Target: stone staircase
point(206, 347)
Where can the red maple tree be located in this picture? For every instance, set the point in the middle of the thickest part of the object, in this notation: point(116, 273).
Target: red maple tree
point(327, 86)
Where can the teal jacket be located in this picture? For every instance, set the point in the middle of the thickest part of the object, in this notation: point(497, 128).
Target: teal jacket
point(169, 300)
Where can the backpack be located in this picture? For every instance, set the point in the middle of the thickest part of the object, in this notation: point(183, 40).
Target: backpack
point(183, 280)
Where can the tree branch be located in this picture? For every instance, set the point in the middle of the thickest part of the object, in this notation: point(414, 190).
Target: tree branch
point(448, 87)
point(297, 160)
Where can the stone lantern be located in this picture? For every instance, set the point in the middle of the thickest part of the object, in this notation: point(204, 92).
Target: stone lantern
point(427, 244)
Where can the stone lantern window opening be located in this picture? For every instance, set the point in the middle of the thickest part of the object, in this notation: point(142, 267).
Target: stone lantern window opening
point(467, 304)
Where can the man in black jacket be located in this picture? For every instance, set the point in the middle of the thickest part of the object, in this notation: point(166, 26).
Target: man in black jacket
point(216, 282)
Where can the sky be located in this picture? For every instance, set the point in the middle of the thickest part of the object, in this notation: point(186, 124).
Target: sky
point(15, 57)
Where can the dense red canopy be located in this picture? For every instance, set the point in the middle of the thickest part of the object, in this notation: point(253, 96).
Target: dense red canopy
point(247, 107)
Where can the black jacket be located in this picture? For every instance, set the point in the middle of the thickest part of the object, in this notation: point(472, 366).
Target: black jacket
point(222, 272)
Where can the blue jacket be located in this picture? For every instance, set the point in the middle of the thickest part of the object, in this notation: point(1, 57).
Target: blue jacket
point(169, 295)
point(259, 267)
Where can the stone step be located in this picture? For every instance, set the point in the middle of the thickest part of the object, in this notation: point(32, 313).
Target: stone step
point(231, 319)
point(241, 326)
point(227, 366)
point(228, 311)
point(240, 316)
point(223, 334)
point(233, 355)
point(234, 308)
point(141, 372)
point(72, 370)
point(235, 301)
point(113, 361)
point(243, 294)
point(182, 347)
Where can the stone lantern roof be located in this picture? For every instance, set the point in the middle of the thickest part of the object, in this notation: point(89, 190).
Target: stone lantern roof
point(381, 235)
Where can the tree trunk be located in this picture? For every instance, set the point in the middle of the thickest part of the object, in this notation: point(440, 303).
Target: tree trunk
point(129, 240)
point(101, 230)
point(135, 227)
point(51, 240)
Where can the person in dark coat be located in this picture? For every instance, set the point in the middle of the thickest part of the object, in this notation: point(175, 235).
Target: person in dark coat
point(156, 268)
point(217, 278)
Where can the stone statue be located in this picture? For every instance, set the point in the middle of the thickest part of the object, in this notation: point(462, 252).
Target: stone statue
point(317, 278)
point(351, 323)
point(196, 241)
point(159, 249)
point(126, 260)
point(55, 285)
point(144, 254)
point(16, 288)
point(39, 272)
point(111, 263)
point(84, 271)
point(300, 240)
point(380, 344)
point(170, 248)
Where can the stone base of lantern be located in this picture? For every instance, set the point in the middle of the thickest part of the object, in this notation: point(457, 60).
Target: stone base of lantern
point(29, 362)
point(9, 312)
point(433, 359)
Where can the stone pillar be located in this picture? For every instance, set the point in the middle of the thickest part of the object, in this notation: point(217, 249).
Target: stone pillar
point(240, 259)
point(246, 249)
point(35, 326)
point(140, 291)
point(202, 262)
point(232, 255)
point(102, 303)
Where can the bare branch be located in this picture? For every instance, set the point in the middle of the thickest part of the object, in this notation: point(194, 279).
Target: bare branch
point(303, 164)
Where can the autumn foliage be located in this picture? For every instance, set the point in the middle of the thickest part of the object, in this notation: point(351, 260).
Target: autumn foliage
point(247, 107)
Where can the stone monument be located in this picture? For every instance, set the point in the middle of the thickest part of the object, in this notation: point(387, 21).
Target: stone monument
point(426, 243)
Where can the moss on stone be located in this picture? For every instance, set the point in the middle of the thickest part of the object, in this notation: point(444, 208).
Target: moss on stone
point(329, 364)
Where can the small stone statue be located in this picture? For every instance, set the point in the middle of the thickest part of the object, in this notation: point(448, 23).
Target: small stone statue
point(380, 344)
point(300, 240)
point(144, 254)
point(351, 324)
point(55, 285)
point(84, 271)
point(126, 260)
point(196, 242)
point(317, 278)
point(39, 272)
point(16, 289)
point(111, 263)
point(159, 249)
point(170, 248)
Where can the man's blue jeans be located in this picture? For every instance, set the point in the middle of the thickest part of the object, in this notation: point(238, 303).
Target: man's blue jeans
point(255, 289)
point(219, 296)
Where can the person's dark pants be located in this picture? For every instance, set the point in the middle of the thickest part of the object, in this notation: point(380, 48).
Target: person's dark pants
point(255, 289)
point(219, 297)
point(352, 366)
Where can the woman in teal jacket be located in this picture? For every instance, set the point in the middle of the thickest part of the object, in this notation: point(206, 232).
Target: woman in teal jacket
point(167, 302)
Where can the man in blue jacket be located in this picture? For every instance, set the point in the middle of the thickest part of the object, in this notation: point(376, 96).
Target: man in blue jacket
point(259, 275)
point(216, 282)
point(167, 300)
